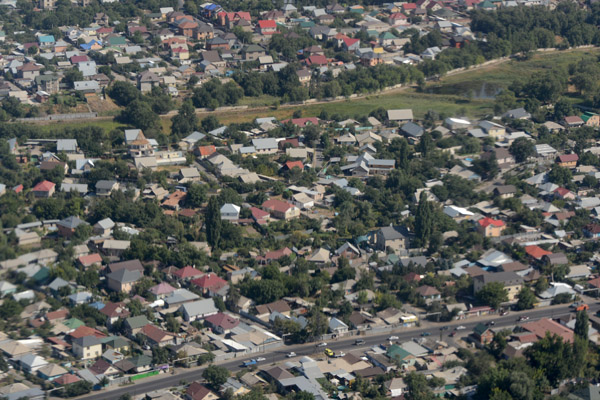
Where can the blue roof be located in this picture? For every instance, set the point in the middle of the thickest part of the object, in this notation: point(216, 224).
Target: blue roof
point(98, 305)
point(211, 7)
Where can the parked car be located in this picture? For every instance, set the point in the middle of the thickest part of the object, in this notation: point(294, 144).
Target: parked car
point(340, 354)
point(359, 342)
point(291, 354)
point(426, 334)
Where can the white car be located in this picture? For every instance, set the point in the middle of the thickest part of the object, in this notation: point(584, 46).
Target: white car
point(393, 338)
point(460, 328)
point(322, 344)
point(291, 354)
point(340, 354)
point(259, 359)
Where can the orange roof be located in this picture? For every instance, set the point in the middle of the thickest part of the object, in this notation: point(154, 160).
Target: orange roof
point(291, 164)
point(174, 199)
point(44, 186)
point(90, 259)
point(536, 252)
point(485, 222)
point(83, 331)
point(206, 151)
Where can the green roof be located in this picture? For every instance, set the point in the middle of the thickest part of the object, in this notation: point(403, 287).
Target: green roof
point(487, 4)
point(117, 41)
point(73, 323)
point(141, 361)
point(115, 342)
point(387, 35)
point(480, 329)
point(587, 115)
point(397, 352)
point(307, 24)
point(42, 275)
point(137, 322)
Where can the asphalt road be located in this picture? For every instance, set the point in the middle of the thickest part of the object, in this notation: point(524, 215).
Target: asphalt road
point(344, 344)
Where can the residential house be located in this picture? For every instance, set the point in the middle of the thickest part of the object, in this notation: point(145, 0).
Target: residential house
point(44, 189)
point(395, 238)
point(568, 160)
point(105, 188)
point(123, 280)
point(198, 309)
point(67, 226)
point(490, 227)
point(221, 323)
point(211, 285)
point(483, 334)
point(87, 347)
point(281, 209)
point(157, 337)
point(230, 212)
point(511, 281)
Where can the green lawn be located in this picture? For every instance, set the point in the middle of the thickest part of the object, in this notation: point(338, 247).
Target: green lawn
point(105, 124)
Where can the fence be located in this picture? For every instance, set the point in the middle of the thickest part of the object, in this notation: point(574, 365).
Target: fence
point(144, 375)
point(60, 117)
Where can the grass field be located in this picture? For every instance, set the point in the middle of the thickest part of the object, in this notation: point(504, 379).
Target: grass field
point(106, 124)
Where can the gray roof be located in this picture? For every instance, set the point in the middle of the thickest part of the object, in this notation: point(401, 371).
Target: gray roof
point(508, 277)
point(393, 232)
point(137, 322)
point(412, 129)
point(200, 307)
point(180, 296)
point(74, 187)
point(87, 341)
point(105, 185)
point(264, 144)
point(71, 222)
point(400, 115)
point(194, 137)
point(125, 275)
point(57, 284)
point(106, 223)
point(66, 145)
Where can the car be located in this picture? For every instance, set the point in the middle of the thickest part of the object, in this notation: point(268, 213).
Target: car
point(249, 363)
point(461, 327)
point(359, 342)
point(259, 359)
point(340, 354)
point(391, 338)
point(426, 334)
point(322, 344)
point(503, 313)
point(146, 347)
point(491, 323)
point(291, 354)
point(452, 334)
point(444, 328)
point(523, 318)
point(328, 352)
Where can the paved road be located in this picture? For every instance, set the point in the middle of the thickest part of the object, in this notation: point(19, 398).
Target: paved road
point(344, 344)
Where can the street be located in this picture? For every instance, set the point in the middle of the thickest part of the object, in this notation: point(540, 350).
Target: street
point(344, 344)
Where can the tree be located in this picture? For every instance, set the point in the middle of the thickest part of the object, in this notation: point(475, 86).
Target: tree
point(424, 220)
point(185, 121)
point(553, 356)
point(123, 93)
point(215, 375)
point(521, 149)
point(72, 75)
point(139, 114)
point(417, 387)
point(582, 324)
point(493, 294)
point(213, 222)
point(560, 175)
point(526, 299)
point(160, 355)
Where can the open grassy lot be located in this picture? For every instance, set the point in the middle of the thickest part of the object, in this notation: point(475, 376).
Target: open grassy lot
point(106, 124)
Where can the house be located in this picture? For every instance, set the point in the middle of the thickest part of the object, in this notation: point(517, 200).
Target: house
point(197, 391)
point(428, 293)
point(592, 230)
point(395, 238)
point(493, 129)
point(265, 146)
point(221, 323)
point(490, 227)
point(156, 336)
point(511, 281)
point(230, 212)
point(162, 290)
point(337, 326)
point(568, 160)
point(573, 121)
point(51, 372)
point(281, 209)
point(210, 284)
point(546, 325)
point(44, 189)
point(591, 119)
point(105, 188)
point(87, 347)
point(147, 80)
point(505, 191)
point(198, 309)
point(400, 116)
point(483, 334)
point(133, 325)
point(123, 280)
point(114, 311)
point(104, 227)
point(68, 226)
point(31, 363)
point(186, 273)
point(266, 27)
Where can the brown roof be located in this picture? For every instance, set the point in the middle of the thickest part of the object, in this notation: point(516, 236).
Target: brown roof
point(426, 290)
point(514, 266)
point(130, 265)
point(155, 333)
point(112, 310)
point(279, 373)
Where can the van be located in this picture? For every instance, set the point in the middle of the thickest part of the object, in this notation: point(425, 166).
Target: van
point(328, 353)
